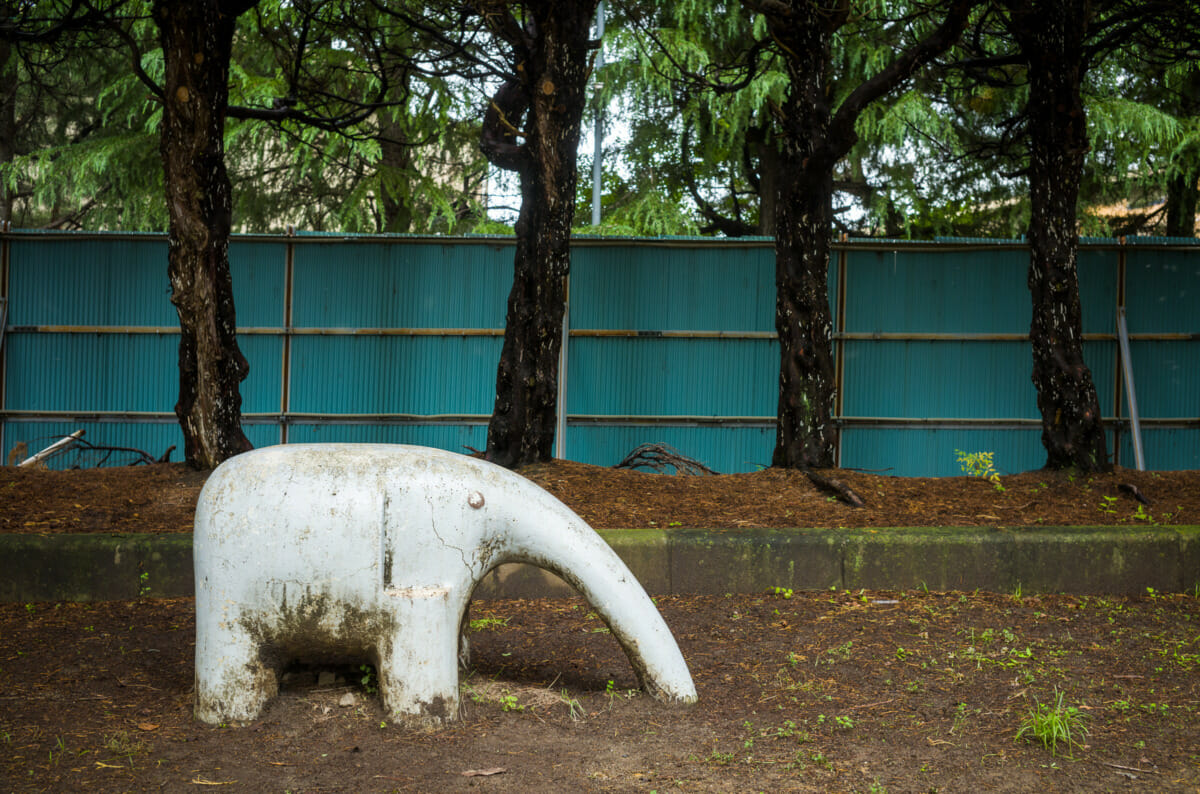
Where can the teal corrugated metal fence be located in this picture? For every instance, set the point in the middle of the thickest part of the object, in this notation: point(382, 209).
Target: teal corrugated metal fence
point(396, 339)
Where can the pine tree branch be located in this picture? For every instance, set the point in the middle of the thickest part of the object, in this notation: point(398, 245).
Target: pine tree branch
point(842, 137)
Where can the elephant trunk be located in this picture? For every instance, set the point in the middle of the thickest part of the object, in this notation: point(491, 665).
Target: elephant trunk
point(544, 532)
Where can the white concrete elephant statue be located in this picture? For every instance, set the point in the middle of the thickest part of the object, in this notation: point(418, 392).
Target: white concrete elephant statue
point(371, 551)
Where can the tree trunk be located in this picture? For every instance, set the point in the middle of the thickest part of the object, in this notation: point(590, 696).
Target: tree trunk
point(522, 427)
point(1183, 187)
point(806, 433)
point(1051, 35)
point(813, 138)
point(395, 165)
point(8, 123)
point(197, 40)
point(552, 70)
point(768, 186)
point(1183, 197)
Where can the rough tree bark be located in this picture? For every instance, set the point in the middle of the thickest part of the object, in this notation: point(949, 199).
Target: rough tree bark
point(395, 161)
point(543, 105)
point(1051, 35)
point(805, 433)
point(396, 154)
point(197, 39)
point(813, 137)
point(1183, 199)
point(8, 122)
point(1183, 187)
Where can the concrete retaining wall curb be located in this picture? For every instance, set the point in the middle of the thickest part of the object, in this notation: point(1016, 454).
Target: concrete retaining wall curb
point(1033, 559)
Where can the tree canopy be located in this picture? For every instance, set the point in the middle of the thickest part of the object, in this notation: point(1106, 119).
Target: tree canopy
point(688, 88)
point(333, 123)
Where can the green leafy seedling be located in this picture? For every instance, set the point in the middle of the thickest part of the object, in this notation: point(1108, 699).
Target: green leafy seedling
point(980, 464)
point(368, 678)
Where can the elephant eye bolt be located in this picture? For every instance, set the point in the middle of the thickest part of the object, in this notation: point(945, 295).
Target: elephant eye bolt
point(475, 499)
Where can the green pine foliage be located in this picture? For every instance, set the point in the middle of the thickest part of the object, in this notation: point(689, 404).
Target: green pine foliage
point(86, 153)
point(690, 101)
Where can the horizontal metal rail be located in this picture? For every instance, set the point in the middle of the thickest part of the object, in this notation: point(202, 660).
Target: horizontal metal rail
point(597, 241)
point(642, 420)
point(649, 334)
point(166, 330)
point(850, 336)
point(577, 420)
point(294, 418)
point(258, 418)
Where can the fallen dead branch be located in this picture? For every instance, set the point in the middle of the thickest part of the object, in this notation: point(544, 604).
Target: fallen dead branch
point(1134, 491)
point(661, 456)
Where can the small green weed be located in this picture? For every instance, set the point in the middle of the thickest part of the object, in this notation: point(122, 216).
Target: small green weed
point(60, 747)
point(783, 592)
point(122, 745)
point(820, 760)
point(509, 702)
point(482, 624)
point(574, 708)
point(719, 758)
point(961, 714)
point(1053, 725)
point(1142, 514)
point(838, 653)
point(980, 464)
point(368, 679)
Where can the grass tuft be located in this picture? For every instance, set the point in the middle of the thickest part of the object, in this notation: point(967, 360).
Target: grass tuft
point(1054, 725)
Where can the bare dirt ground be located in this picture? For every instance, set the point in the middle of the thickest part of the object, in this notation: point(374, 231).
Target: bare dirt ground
point(830, 691)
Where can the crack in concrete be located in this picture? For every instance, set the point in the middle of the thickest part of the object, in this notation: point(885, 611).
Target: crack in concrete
point(433, 526)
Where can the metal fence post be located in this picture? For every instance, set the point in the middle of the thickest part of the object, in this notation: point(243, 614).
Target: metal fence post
point(560, 408)
point(839, 348)
point(285, 396)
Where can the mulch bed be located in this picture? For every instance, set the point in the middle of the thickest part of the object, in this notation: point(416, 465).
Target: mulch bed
point(162, 498)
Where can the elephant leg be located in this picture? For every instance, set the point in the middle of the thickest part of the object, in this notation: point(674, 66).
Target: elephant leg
point(418, 659)
point(232, 681)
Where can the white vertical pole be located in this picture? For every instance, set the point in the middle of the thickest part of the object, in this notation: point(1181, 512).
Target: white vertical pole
point(597, 131)
point(1127, 366)
point(560, 430)
point(560, 406)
